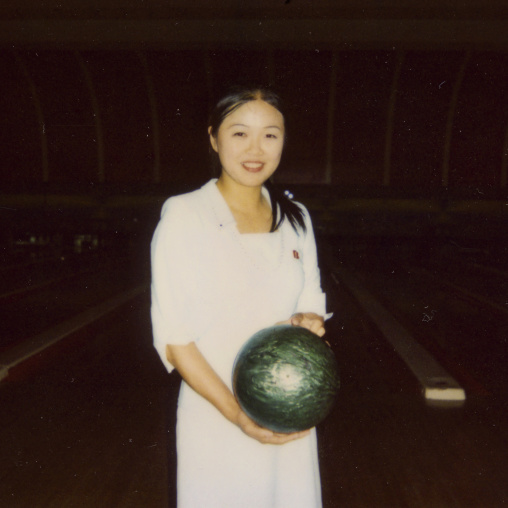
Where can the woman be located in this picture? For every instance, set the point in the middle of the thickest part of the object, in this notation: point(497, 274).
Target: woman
point(228, 260)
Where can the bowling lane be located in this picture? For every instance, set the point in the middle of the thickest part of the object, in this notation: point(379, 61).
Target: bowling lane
point(90, 431)
point(455, 312)
point(483, 278)
point(384, 446)
point(54, 296)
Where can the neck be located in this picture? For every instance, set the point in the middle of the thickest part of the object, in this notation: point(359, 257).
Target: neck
point(240, 197)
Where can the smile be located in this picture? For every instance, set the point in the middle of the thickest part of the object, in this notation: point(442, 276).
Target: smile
point(253, 166)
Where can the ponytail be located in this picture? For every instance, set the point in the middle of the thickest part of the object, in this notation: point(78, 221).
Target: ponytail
point(284, 208)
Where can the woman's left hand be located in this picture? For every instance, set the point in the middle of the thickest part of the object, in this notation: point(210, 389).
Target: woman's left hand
point(310, 320)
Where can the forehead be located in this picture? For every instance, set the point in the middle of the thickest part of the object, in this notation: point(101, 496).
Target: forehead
point(257, 112)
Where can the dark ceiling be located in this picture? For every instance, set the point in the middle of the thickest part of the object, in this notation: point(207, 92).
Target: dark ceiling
point(269, 23)
point(258, 9)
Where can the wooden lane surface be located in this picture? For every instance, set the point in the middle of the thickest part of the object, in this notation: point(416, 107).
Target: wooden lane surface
point(465, 331)
point(90, 432)
point(35, 309)
point(384, 446)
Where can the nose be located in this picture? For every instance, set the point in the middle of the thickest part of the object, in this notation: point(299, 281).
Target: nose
point(255, 145)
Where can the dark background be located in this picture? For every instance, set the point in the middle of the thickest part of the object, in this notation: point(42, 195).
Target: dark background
point(397, 114)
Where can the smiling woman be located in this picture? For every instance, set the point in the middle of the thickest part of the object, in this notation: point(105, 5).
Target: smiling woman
point(249, 143)
point(265, 111)
point(223, 268)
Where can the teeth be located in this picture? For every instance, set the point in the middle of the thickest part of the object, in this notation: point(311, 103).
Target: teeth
point(253, 165)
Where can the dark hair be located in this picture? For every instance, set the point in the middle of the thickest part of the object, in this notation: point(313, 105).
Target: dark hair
point(282, 207)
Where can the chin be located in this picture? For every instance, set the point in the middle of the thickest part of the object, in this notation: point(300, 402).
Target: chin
point(255, 180)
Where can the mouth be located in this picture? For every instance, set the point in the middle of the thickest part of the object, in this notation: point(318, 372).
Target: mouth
point(253, 166)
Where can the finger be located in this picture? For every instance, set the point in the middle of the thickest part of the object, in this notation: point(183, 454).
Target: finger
point(308, 323)
point(286, 438)
point(315, 326)
point(267, 436)
point(280, 439)
point(320, 332)
point(297, 435)
point(297, 319)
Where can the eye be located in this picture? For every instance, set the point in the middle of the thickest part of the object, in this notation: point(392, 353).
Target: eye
point(239, 134)
point(272, 136)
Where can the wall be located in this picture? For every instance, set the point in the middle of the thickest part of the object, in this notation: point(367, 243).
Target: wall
point(397, 126)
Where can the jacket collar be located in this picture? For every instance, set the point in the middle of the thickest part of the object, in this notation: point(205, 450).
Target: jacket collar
point(220, 208)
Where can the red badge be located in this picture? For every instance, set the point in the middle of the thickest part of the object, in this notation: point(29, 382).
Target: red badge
point(296, 255)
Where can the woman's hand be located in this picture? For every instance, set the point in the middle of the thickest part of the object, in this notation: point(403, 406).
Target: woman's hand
point(266, 436)
point(310, 320)
point(200, 376)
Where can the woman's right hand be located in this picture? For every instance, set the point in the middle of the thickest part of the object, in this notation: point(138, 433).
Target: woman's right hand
point(266, 436)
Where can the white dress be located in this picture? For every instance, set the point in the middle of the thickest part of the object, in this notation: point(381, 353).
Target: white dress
point(216, 287)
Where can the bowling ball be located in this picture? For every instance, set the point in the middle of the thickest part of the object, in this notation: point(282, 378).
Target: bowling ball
point(286, 378)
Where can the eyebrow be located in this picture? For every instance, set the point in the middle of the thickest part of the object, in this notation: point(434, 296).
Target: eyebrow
point(243, 125)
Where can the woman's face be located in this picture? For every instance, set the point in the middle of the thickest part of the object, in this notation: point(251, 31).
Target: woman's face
point(249, 143)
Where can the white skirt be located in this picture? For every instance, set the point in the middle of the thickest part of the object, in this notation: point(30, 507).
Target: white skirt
point(221, 467)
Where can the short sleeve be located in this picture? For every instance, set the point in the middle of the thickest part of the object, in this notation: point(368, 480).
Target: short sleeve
point(171, 286)
point(312, 297)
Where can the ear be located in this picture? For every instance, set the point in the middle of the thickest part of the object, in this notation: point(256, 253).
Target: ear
point(213, 140)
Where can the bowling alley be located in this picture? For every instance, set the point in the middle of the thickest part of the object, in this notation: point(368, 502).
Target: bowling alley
point(254, 254)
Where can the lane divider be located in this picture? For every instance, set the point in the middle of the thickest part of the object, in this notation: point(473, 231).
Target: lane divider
point(15, 356)
point(437, 384)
